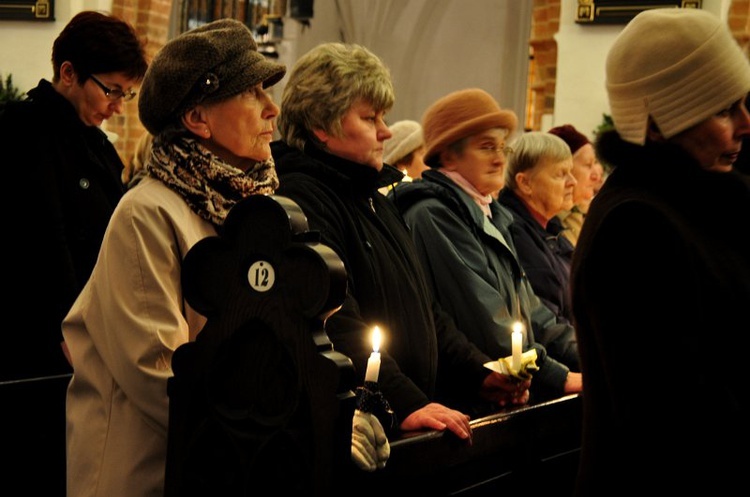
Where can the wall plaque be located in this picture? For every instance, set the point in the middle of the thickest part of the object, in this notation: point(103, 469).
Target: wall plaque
point(27, 10)
point(622, 11)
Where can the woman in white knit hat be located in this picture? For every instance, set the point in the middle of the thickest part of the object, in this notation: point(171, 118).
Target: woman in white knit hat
point(405, 149)
point(661, 272)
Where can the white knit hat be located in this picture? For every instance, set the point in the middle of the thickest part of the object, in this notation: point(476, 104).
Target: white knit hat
point(678, 65)
point(407, 137)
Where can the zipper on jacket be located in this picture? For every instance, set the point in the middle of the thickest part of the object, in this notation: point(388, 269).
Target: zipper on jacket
point(372, 204)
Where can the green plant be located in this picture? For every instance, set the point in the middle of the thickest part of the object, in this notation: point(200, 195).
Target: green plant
point(605, 125)
point(8, 91)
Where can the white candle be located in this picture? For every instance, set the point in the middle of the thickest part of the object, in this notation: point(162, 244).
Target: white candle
point(373, 363)
point(516, 346)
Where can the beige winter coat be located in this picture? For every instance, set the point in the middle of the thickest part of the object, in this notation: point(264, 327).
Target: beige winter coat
point(121, 333)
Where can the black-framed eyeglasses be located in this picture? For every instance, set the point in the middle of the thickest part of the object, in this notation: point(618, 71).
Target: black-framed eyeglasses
point(114, 94)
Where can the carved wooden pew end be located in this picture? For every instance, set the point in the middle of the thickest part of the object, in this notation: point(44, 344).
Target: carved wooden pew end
point(260, 399)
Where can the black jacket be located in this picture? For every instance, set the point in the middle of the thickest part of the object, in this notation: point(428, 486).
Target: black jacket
point(661, 292)
point(67, 181)
point(386, 284)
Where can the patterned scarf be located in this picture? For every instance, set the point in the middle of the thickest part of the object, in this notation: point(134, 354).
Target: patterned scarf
point(209, 185)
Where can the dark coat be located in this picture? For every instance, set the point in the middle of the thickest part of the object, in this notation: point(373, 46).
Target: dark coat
point(661, 295)
point(69, 174)
point(476, 276)
point(386, 284)
point(545, 255)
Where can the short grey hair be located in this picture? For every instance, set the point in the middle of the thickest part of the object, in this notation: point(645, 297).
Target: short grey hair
point(529, 149)
point(324, 84)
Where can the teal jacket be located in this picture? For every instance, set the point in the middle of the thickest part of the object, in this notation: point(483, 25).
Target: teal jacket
point(472, 267)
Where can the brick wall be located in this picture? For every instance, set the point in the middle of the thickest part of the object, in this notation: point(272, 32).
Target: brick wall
point(543, 65)
point(151, 20)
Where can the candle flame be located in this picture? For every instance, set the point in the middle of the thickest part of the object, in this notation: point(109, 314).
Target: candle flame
point(376, 338)
point(517, 326)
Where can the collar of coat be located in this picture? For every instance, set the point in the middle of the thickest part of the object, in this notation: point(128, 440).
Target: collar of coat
point(434, 184)
point(319, 162)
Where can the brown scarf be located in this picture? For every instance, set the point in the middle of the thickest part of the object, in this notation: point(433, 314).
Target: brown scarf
point(209, 185)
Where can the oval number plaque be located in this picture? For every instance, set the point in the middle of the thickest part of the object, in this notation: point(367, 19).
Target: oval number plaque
point(261, 276)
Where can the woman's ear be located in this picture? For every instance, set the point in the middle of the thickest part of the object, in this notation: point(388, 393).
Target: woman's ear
point(447, 159)
point(68, 73)
point(322, 136)
point(523, 185)
point(195, 121)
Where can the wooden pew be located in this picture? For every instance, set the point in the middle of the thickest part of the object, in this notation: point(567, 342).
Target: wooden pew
point(523, 451)
point(261, 400)
point(303, 397)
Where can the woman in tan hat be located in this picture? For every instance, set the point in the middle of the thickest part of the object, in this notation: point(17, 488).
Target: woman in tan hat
point(204, 101)
point(661, 272)
point(463, 239)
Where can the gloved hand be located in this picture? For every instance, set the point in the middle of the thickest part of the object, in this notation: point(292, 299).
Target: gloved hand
point(370, 447)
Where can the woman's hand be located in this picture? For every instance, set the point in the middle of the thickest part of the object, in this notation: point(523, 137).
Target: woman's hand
point(504, 389)
point(436, 416)
point(573, 383)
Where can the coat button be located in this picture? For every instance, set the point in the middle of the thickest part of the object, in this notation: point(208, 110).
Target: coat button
point(84, 183)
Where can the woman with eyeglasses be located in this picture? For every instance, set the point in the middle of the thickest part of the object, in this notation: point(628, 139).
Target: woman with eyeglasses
point(69, 172)
point(52, 140)
point(463, 238)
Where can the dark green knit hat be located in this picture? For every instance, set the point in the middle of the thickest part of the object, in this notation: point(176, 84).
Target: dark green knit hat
point(210, 63)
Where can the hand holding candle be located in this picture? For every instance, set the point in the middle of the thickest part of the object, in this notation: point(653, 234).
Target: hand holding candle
point(373, 363)
point(516, 346)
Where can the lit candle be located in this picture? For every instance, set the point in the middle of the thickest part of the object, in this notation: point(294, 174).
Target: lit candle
point(516, 346)
point(373, 363)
